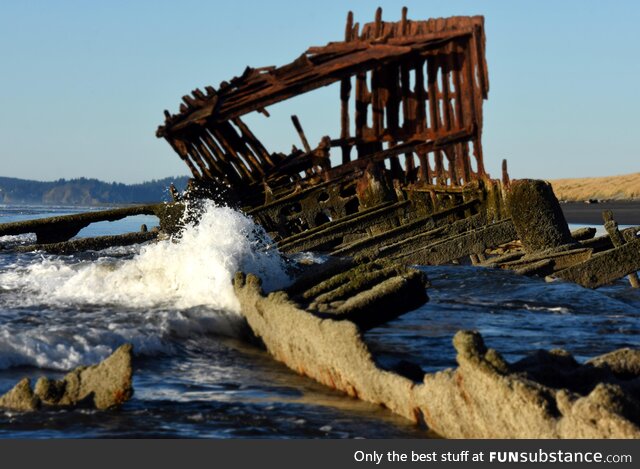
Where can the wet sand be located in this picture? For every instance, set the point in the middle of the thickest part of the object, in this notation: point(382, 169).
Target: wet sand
point(624, 212)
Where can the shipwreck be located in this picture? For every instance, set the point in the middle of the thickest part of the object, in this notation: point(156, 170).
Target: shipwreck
point(403, 184)
point(405, 179)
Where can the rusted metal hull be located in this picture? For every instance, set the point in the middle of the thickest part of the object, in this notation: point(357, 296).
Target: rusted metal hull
point(411, 90)
point(411, 95)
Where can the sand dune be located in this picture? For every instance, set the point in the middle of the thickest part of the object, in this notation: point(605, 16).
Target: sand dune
point(608, 187)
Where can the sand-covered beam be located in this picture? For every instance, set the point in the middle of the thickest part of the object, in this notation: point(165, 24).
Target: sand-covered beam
point(484, 397)
point(367, 294)
point(103, 386)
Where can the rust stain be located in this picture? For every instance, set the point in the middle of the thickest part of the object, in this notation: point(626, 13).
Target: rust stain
point(459, 380)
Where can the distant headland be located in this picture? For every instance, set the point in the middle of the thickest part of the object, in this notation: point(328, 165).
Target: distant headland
point(83, 191)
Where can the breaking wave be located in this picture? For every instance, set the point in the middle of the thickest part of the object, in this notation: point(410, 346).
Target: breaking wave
point(60, 311)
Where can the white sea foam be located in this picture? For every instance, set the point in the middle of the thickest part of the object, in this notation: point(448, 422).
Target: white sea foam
point(63, 339)
point(80, 310)
point(16, 239)
point(191, 271)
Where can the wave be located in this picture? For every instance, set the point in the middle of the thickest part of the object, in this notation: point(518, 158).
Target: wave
point(60, 311)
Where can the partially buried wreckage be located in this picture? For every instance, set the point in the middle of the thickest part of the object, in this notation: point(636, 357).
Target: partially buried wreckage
point(410, 188)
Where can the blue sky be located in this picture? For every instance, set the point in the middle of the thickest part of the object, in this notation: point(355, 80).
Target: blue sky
point(83, 83)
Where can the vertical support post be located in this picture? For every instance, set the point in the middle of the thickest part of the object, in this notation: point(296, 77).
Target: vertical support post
point(537, 216)
point(345, 93)
point(303, 137)
point(506, 182)
point(618, 240)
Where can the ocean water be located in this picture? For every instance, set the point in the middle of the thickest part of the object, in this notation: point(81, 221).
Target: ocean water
point(195, 373)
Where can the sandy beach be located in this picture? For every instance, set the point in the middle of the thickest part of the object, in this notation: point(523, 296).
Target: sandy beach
point(622, 187)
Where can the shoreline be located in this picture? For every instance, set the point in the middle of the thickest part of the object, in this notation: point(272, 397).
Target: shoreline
point(625, 212)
